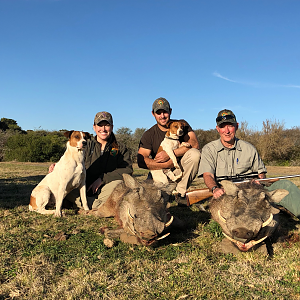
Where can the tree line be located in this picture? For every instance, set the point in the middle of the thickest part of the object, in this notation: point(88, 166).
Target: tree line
point(276, 145)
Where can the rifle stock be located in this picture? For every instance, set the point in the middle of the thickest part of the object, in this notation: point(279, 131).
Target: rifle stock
point(198, 195)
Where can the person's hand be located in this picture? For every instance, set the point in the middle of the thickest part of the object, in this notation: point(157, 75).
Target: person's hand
point(161, 157)
point(218, 192)
point(260, 176)
point(255, 181)
point(51, 168)
point(95, 185)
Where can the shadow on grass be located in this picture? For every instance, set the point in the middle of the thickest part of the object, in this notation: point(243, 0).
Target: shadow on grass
point(191, 220)
point(16, 191)
point(287, 224)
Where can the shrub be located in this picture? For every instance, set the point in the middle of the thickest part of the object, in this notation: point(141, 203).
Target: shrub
point(131, 140)
point(36, 146)
point(273, 144)
point(206, 136)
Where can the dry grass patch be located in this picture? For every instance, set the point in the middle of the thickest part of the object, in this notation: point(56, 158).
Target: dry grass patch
point(64, 258)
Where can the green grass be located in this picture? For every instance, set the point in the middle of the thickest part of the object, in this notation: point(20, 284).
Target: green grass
point(43, 257)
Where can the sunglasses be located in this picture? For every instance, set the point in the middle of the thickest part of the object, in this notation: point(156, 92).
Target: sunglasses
point(223, 118)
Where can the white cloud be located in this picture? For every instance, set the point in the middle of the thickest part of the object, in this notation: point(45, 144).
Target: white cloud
point(216, 74)
point(222, 77)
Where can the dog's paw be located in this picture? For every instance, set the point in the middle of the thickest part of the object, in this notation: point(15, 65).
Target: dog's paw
point(58, 214)
point(185, 144)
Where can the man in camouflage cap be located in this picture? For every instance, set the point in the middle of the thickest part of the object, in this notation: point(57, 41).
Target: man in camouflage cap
point(225, 116)
point(230, 157)
point(161, 103)
point(148, 158)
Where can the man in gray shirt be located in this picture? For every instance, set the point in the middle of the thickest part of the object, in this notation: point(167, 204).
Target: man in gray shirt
point(232, 157)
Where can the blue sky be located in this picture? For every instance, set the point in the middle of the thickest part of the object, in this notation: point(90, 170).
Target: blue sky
point(62, 61)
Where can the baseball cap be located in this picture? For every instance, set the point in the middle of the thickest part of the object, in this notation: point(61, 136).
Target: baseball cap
point(225, 116)
point(103, 116)
point(161, 103)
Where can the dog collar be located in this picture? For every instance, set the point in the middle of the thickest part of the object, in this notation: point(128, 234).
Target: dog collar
point(176, 139)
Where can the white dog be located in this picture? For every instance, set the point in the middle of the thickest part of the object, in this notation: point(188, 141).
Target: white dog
point(169, 144)
point(69, 173)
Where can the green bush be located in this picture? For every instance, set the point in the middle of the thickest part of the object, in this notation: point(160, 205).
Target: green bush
point(35, 146)
point(131, 140)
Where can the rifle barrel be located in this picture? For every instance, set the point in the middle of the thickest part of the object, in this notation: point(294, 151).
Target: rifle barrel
point(279, 177)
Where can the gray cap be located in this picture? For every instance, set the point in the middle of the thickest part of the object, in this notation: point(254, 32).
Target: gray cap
point(161, 103)
point(103, 116)
point(225, 116)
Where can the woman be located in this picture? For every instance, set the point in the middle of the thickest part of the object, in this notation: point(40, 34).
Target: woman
point(105, 160)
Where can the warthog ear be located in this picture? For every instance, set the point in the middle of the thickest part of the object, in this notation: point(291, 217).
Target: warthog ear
point(230, 188)
point(141, 191)
point(158, 195)
point(130, 182)
point(278, 195)
point(169, 188)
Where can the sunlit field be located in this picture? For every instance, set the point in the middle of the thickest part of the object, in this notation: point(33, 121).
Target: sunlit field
point(43, 257)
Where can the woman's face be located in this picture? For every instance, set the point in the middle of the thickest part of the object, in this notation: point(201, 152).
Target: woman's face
point(103, 130)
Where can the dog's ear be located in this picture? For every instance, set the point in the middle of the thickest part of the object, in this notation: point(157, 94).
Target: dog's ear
point(67, 134)
point(183, 123)
point(169, 123)
point(87, 135)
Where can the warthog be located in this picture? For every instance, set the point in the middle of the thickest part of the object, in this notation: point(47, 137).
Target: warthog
point(246, 215)
point(140, 210)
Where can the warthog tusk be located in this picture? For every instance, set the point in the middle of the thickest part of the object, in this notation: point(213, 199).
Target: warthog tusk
point(169, 222)
point(133, 232)
point(221, 218)
point(130, 216)
point(268, 221)
point(164, 236)
point(230, 239)
point(245, 246)
point(257, 242)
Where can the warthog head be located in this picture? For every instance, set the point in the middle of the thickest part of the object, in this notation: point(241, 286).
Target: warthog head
point(245, 213)
point(141, 211)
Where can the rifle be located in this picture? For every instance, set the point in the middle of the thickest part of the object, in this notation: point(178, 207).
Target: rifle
point(198, 195)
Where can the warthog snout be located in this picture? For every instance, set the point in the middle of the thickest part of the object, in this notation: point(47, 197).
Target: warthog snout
point(242, 233)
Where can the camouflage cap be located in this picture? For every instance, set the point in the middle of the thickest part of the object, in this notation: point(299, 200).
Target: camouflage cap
point(161, 103)
point(103, 116)
point(225, 116)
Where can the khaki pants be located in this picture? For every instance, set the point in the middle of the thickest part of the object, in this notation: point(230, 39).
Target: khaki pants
point(94, 201)
point(190, 164)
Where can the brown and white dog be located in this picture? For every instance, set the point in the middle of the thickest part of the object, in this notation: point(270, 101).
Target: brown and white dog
point(69, 173)
point(169, 144)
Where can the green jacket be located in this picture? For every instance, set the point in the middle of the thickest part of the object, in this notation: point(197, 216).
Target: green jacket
point(109, 166)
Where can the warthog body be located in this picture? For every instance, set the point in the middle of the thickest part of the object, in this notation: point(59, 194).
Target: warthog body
point(140, 210)
point(246, 215)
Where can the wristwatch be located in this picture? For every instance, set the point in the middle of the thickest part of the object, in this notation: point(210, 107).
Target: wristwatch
point(213, 188)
